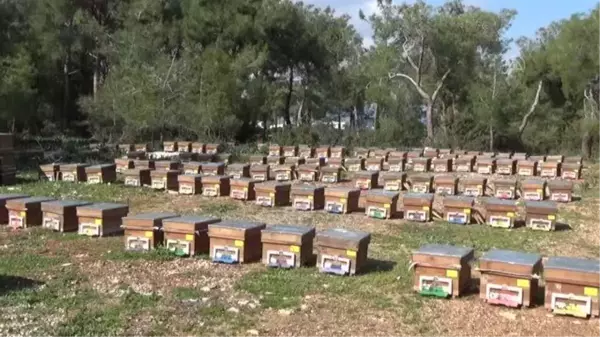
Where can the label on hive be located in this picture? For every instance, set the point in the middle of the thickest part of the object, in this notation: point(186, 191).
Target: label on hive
point(191, 171)
point(505, 193)
point(336, 155)
point(419, 168)
point(435, 286)
point(239, 194)
point(335, 207)
point(51, 223)
point(225, 254)
point(374, 167)
point(463, 168)
point(420, 188)
point(303, 204)
point(473, 191)
point(94, 179)
point(334, 165)
point(444, 190)
point(500, 221)
point(393, 185)
point(179, 247)
point(289, 153)
point(505, 170)
point(137, 244)
point(525, 172)
point(377, 212)
point(560, 197)
point(259, 177)
point(550, 173)
point(131, 181)
point(354, 168)
point(264, 201)
point(363, 184)
point(211, 151)
point(186, 189)
point(68, 176)
point(307, 176)
point(280, 259)
point(533, 196)
point(504, 295)
point(158, 184)
point(274, 152)
point(209, 172)
point(569, 175)
point(282, 176)
point(322, 154)
point(17, 220)
point(484, 169)
point(90, 229)
point(334, 265)
point(395, 168)
point(329, 178)
point(305, 154)
point(417, 215)
point(236, 175)
point(50, 176)
point(211, 191)
point(460, 218)
point(573, 305)
point(541, 224)
point(440, 168)
point(169, 148)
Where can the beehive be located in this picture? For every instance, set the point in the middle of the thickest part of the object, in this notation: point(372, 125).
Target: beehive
point(286, 246)
point(381, 153)
point(215, 186)
point(341, 200)
point(571, 171)
point(275, 150)
point(331, 174)
point(235, 241)
point(361, 152)
point(198, 147)
point(184, 146)
point(573, 160)
point(421, 183)
point(260, 172)
point(342, 251)
point(143, 232)
point(307, 197)
point(519, 156)
point(192, 167)
point(166, 165)
point(187, 235)
point(550, 169)
point(464, 164)
point(236, 171)
point(505, 188)
point(336, 162)
point(417, 206)
point(338, 152)
point(3, 210)
point(170, 146)
point(137, 177)
point(489, 154)
point(242, 188)
point(410, 157)
point(316, 161)
point(212, 148)
point(323, 151)
point(61, 215)
point(560, 191)
point(457, 209)
point(504, 155)
point(374, 164)
point(445, 185)
point(355, 164)
point(139, 155)
point(474, 186)
point(305, 151)
point(186, 157)
point(123, 164)
point(393, 181)
point(25, 212)
point(429, 152)
point(72, 172)
point(486, 165)
point(258, 160)
point(283, 172)
point(144, 164)
point(308, 172)
point(500, 213)
point(541, 215)
point(189, 184)
point(101, 174)
point(275, 160)
point(533, 189)
point(539, 159)
point(473, 153)
point(396, 164)
point(422, 164)
point(124, 148)
point(555, 158)
point(381, 204)
point(165, 180)
point(296, 161)
point(222, 158)
point(442, 270)
point(527, 168)
point(101, 219)
point(572, 286)
point(442, 165)
point(366, 180)
point(213, 169)
point(50, 172)
point(445, 152)
point(506, 166)
point(273, 194)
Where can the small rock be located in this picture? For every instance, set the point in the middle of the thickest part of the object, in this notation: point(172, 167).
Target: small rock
point(549, 315)
point(205, 289)
point(268, 293)
point(303, 307)
point(243, 302)
point(576, 322)
point(205, 299)
point(508, 315)
point(252, 305)
point(326, 286)
point(233, 310)
point(308, 297)
point(285, 312)
point(252, 332)
point(66, 264)
point(190, 300)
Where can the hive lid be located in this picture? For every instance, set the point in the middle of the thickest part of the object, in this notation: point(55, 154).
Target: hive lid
point(421, 177)
point(260, 167)
point(166, 162)
point(341, 189)
point(100, 166)
point(289, 229)
point(67, 203)
point(365, 174)
point(13, 196)
point(445, 178)
point(152, 216)
point(505, 161)
point(354, 160)
point(444, 250)
point(105, 206)
point(306, 187)
point(505, 181)
point(486, 160)
point(393, 175)
point(533, 182)
point(511, 257)
point(211, 164)
point(244, 180)
point(214, 178)
point(193, 163)
point(274, 184)
point(458, 199)
point(549, 205)
point(237, 224)
point(560, 184)
point(473, 180)
point(496, 201)
point(35, 199)
point(426, 196)
point(383, 193)
point(573, 264)
point(193, 219)
point(344, 234)
point(238, 166)
point(194, 175)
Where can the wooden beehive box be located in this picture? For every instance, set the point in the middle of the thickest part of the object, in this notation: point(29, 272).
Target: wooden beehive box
point(186, 157)
point(213, 169)
point(417, 206)
point(381, 204)
point(50, 172)
point(323, 151)
point(137, 177)
point(508, 277)
point(361, 152)
point(198, 147)
point(338, 152)
point(275, 160)
point(393, 181)
point(139, 155)
point(559, 158)
point(166, 165)
point(541, 215)
point(273, 194)
point(306, 151)
point(489, 154)
point(189, 184)
point(242, 188)
point(442, 164)
point(341, 200)
point(572, 286)
point(101, 219)
point(187, 235)
point(527, 168)
point(237, 171)
point(429, 152)
point(342, 251)
point(550, 169)
point(260, 172)
point(519, 156)
point(464, 163)
point(286, 246)
point(170, 146)
point(283, 172)
point(235, 241)
point(396, 164)
point(445, 185)
point(258, 160)
point(72, 172)
point(457, 209)
point(25, 212)
point(101, 174)
point(539, 159)
point(308, 172)
point(573, 160)
point(275, 150)
point(504, 155)
point(560, 190)
point(422, 183)
point(124, 148)
point(123, 164)
point(165, 180)
point(355, 164)
point(184, 146)
point(422, 164)
point(316, 161)
point(294, 161)
point(506, 166)
point(505, 188)
point(533, 189)
point(3, 210)
point(410, 158)
point(331, 174)
point(474, 186)
point(486, 165)
point(366, 180)
point(212, 148)
point(445, 152)
point(307, 197)
point(143, 164)
point(192, 167)
point(374, 164)
point(143, 232)
point(336, 162)
point(222, 158)
point(500, 213)
point(215, 186)
point(61, 215)
point(571, 171)
point(442, 270)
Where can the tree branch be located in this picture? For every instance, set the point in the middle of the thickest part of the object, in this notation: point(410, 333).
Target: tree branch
point(440, 85)
point(534, 104)
point(414, 83)
point(406, 53)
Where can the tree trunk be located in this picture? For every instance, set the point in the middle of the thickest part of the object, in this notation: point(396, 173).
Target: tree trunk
point(585, 145)
point(67, 89)
point(96, 77)
point(339, 120)
point(429, 122)
point(288, 100)
point(491, 138)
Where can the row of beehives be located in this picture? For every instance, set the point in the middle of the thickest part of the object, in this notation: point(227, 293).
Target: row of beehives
point(509, 278)
point(340, 251)
point(174, 146)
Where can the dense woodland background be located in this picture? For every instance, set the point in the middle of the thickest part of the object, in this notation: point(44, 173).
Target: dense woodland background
point(139, 70)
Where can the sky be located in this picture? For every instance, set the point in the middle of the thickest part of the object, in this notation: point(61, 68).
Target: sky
point(531, 14)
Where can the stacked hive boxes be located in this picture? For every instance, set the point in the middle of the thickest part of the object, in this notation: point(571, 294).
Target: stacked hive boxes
point(7, 159)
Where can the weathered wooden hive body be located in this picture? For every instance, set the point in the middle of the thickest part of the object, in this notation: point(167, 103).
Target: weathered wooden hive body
point(361, 152)
point(290, 151)
point(137, 177)
point(144, 164)
point(323, 151)
point(336, 162)
point(464, 163)
point(73, 172)
point(422, 164)
point(306, 151)
point(527, 168)
point(486, 165)
point(533, 189)
point(235, 241)
point(166, 165)
point(25, 212)
point(506, 166)
point(187, 235)
point(165, 180)
point(541, 215)
point(143, 232)
point(366, 180)
point(355, 164)
point(330, 174)
point(283, 172)
point(338, 152)
point(192, 167)
point(474, 186)
point(500, 213)
point(258, 160)
point(417, 206)
point(341, 200)
point(101, 219)
point(571, 171)
point(198, 147)
point(422, 183)
point(189, 184)
point(243, 188)
point(560, 190)
point(3, 199)
point(374, 164)
point(273, 194)
point(342, 251)
point(381, 204)
point(184, 146)
point(550, 169)
point(442, 165)
point(260, 172)
point(61, 215)
point(275, 160)
point(308, 172)
point(213, 169)
point(393, 181)
point(307, 197)
point(457, 209)
point(275, 150)
point(170, 146)
point(505, 188)
point(123, 164)
point(286, 246)
point(445, 185)
point(215, 186)
point(101, 174)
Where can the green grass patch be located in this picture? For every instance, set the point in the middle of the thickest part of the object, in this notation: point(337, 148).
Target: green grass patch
point(158, 254)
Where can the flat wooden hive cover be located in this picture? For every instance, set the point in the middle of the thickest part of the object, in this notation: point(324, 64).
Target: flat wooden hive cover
point(60, 204)
point(382, 194)
point(340, 191)
point(213, 165)
point(423, 197)
point(13, 196)
point(444, 250)
point(511, 257)
point(305, 188)
point(573, 264)
point(243, 181)
point(393, 175)
point(422, 178)
point(499, 202)
point(289, 229)
point(473, 181)
point(458, 201)
point(214, 179)
point(365, 174)
point(100, 166)
point(151, 216)
point(445, 179)
point(541, 206)
point(105, 206)
point(273, 185)
point(238, 225)
point(505, 182)
point(353, 237)
point(30, 200)
point(533, 183)
point(560, 184)
point(191, 220)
